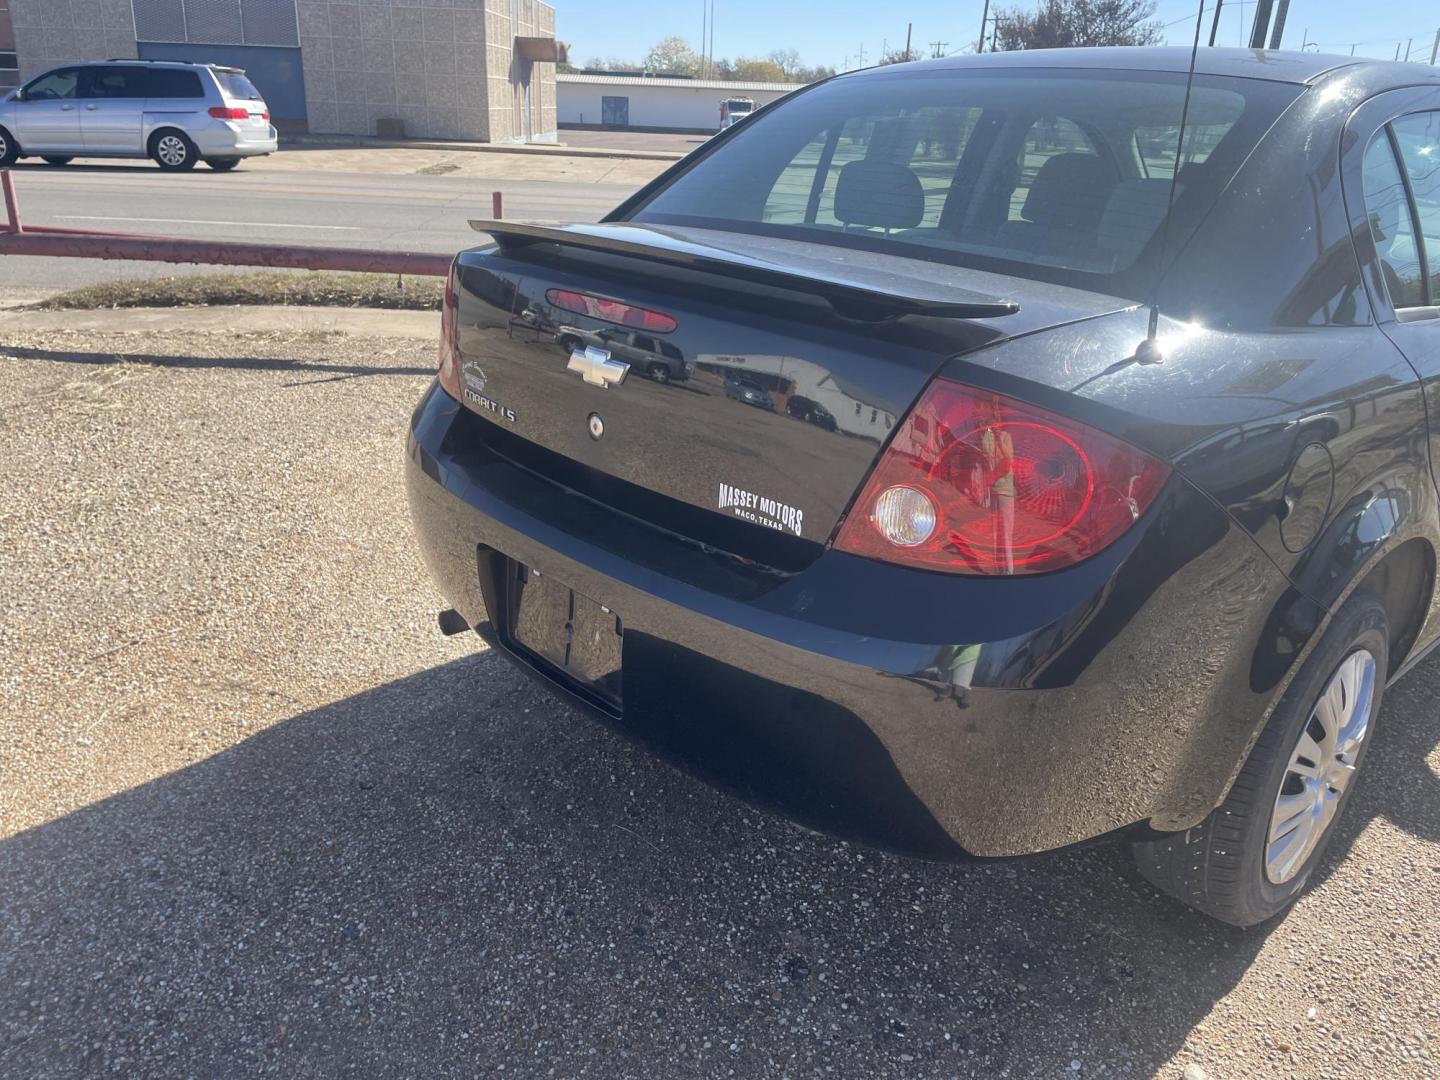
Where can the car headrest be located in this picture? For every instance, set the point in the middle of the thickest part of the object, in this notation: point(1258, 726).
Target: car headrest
point(1069, 192)
point(879, 194)
point(1133, 212)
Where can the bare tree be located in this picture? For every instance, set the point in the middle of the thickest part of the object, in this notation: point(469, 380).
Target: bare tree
point(787, 60)
point(674, 56)
point(1060, 23)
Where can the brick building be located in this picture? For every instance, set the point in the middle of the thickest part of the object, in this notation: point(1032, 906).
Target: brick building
point(444, 69)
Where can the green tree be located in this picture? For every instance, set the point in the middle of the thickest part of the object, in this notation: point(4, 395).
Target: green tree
point(1059, 23)
point(748, 70)
point(672, 56)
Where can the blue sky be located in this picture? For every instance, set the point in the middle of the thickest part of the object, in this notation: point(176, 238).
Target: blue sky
point(830, 31)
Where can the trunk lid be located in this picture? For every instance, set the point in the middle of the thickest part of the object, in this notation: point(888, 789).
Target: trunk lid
point(750, 423)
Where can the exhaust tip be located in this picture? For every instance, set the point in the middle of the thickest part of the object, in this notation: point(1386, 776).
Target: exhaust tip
point(452, 622)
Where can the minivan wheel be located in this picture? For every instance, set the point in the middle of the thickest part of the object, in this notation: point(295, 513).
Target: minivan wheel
point(222, 164)
point(1254, 854)
point(658, 372)
point(57, 160)
point(172, 151)
point(9, 151)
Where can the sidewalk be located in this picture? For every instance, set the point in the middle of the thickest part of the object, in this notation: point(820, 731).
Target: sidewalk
point(237, 319)
point(559, 149)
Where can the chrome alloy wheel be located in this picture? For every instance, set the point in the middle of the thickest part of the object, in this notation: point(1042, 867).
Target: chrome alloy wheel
point(1322, 764)
point(171, 149)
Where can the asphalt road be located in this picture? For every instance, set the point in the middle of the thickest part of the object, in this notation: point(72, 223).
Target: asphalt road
point(392, 199)
point(258, 818)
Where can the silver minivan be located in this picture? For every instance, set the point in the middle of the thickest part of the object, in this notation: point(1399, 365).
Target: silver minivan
point(173, 112)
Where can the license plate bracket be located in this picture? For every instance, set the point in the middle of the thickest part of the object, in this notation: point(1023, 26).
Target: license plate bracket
point(568, 631)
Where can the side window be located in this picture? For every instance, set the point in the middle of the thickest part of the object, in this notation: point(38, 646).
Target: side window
point(668, 350)
point(645, 343)
point(1391, 225)
point(112, 83)
point(1419, 139)
point(173, 83)
point(56, 86)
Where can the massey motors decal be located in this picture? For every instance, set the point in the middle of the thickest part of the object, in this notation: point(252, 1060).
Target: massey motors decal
point(762, 511)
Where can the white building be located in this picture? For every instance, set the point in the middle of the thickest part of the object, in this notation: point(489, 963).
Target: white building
point(653, 103)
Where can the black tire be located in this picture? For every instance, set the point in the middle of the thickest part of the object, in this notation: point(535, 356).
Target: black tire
point(1219, 866)
point(659, 372)
point(222, 164)
point(9, 149)
point(57, 160)
point(166, 147)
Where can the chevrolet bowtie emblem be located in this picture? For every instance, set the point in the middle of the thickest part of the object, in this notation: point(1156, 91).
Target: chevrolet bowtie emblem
point(596, 367)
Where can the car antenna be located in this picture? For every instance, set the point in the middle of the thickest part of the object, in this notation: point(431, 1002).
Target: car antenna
point(1149, 351)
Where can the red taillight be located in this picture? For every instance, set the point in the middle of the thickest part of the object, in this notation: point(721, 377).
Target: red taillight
point(265, 115)
point(449, 354)
point(976, 483)
point(220, 112)
point(597, 307)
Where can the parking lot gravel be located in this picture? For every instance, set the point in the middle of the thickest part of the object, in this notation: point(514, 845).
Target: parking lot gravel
point(257, 817)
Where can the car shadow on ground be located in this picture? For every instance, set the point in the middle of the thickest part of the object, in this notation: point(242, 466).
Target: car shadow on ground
point(453, 872)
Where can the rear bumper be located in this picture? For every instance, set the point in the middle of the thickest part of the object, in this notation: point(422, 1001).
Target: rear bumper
point(1125, 690)
point(222, 138)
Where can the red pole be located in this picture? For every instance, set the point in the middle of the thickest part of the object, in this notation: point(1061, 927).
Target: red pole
point(495, 214)
point(12, 204)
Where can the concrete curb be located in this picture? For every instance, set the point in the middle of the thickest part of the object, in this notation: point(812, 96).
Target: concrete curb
point(231, 319)
point(555, 150)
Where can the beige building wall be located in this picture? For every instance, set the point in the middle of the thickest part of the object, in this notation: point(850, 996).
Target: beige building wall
point(50, 32)
point(443, 68)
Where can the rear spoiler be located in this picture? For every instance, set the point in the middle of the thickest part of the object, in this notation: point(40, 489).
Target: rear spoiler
point(893, 293)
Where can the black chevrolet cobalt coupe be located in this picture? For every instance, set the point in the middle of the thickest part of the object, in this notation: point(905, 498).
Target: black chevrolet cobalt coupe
point(1081, 483)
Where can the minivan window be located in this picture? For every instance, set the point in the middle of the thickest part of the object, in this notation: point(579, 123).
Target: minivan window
point(236, 85)
point(112, 82)
point(174, 83)
point(1036, 173)
point(1392, 227)
point(55, 86)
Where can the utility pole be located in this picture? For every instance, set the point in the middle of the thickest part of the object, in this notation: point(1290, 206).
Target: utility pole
point(1408, 45)
point(1215, 23)
point(908, 28)
point(1397, 52)
point(1279, 31)
point(1262, 23)
point(1435, 49)
point(984, 18)
point(862, 56)
point(937, 48)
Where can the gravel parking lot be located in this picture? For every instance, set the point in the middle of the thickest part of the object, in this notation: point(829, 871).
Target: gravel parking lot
point(258, 817)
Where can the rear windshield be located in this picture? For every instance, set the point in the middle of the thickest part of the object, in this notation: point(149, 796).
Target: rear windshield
point(236, 85)
point(1058, 175)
